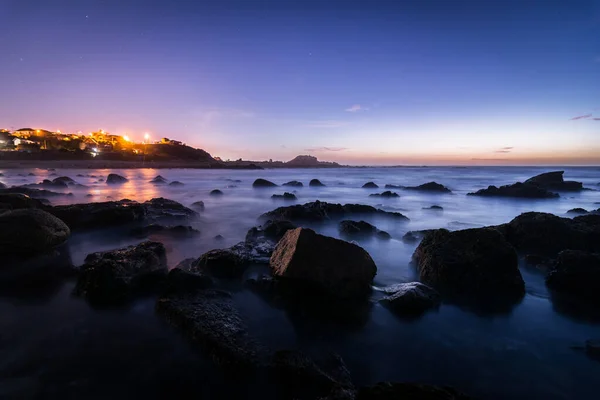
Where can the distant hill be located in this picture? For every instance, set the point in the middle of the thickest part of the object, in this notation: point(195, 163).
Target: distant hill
point(305, 161)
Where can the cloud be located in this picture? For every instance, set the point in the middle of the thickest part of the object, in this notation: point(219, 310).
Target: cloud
point(596, 119)
point(283, 146)
point(356, 108)
point(581, 117)
point(318, 149)
point(504, 149)
point(326, 124)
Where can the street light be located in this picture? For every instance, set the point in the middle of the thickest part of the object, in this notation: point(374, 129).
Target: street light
point(146, 136)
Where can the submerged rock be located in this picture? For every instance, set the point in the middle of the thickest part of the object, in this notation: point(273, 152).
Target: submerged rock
point(361, 228)
point(408, 391)
point(389, 186)
point(576, 273)
point(199, 205)
point(370, 185)
point(578, 210)
point(475, 262)
point(293, 183)
point(387, 194)
point(262, 183)
point(115, 179)
point(320, 211)
point(412, 299)
point(285, 196)
point(434, 208)
point(315, 183)
point(158, 180)
point(216, 192)
point(30, 231)
point(555, 181)
point(176, 183)
point(338, 267)
point(114, 277)
point(524, 190)
point(429, 187)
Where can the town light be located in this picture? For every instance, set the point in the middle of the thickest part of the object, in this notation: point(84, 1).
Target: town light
point(58, 131)
point(146, 136)
point(126, 138)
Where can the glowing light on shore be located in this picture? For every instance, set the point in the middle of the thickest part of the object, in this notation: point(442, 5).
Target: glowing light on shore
point(146, 136)
point(126, 138)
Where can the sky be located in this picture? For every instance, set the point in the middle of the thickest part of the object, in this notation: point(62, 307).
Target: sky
point(361, 82)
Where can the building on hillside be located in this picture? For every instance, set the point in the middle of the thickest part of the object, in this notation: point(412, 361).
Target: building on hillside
point(24, 133)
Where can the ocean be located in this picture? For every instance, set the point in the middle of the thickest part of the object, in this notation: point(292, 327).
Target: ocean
point(55, 345)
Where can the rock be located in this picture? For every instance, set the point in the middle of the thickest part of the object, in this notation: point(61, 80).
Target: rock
point(537, 260)
point(320, 211)
point(16, 201)
point(2, 185)
point(48, 184)
point(555, 181)
point(164, 208)
point(114, 277)
point(388, 186)
point(98, 215)
point(577, 211)
point(576, 273)
point(89, 195)
point(370, 185)
point(387, 194)
point(412, 299)
point(158, 180)
point(31, 174)
point(262, 183)
point(64, 179)
point(315, 183)
point(435, 208)
point(176, 183)
point(179, 281)
point(35, 193)
point(361, 228)
point(210, 318)
point(518, 190)
point(199, 205)
point(414, 236)
point(178, 231)
point(408, 391)
point(216, 192)
point(293, 183)
point(285, 196)
point(30, 231)
point(472, 262)
point(115, 179)
point(219, 237)
point(340, 268)
point(429, 187)
point(273, 230)
point(592, 349)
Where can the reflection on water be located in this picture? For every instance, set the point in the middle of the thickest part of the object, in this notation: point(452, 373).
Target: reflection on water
point(56, 346)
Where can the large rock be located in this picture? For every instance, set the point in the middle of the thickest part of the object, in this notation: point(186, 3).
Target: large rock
point(2, 185)
point(98, 215)
point(340, 268)
point(293, 183)
point(320, 211)
point(408, 391)
point(165, 208)
point(315, 183)
point(518, 190)
point(115, 179)
point(475, 262)
point(273, 230)
point(35, 193)
point(15, 201)
point(64, 179)
point(30, 231)
point(361, 228)
point(555, 181)
point(158, 180)
point(370, 185)
point(285, 196)
point(262, 183)
point(386, 194)
point(411, 299)
point(114, 277)
point(433, 187)
point(231, 263)
point(576, 273)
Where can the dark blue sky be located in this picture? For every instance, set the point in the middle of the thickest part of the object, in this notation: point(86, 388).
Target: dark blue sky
point(435, 81)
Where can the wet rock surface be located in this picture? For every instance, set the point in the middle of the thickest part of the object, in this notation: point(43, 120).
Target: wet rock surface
point(177, 231)
point(579, 211)
point(216, 192)
point(370, 185)
point(198, 205)
point(519, 190)
point(98, 215)
point(293, 184)
point(115, 179)
point(554, 181)
point(433, 187)
point(14, 201)
point(315, 183)
point(285, 196)
point(164, 208)
point(386, 194)
point(176, 183)
point(434, 208)
point(335, 266)
point(576, 273)
point(408, 391)
point(322, 211)
point(259, 183)
point(158, 180)
point(35, 193)
point(361, 229)
point(411, 299)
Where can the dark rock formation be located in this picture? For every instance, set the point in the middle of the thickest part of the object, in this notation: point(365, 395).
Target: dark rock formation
point(64, 179)
point(164, 208)
point(408, 391)
point(216, 192)
point(262, 183)
point(219, 237)
point(370, 185)
point(320, 211)
point(272, 230)
point(176, 183)
point(30, 231)
point(198, 205)
point(114, 277)
point(231, 263)
point(519, 190)
point(35, 193)
point(181, 281)
point(98, 215)
point(285, 196)
point(411, 299)
point(178, 231)
point(475, 262)
point(361, 228)
point(115, 179)
point(577, 210)
point(315, 183)
point(414, 236)
point(293, 183)
point(14, 201)
point(158, 180)
point(592, 349)
point(555, 181)
point(2, 185)
point(387, 194)
point(388, 186)
point(434, 208)
point(576, 273)
point(340, 268)
point(429, 187)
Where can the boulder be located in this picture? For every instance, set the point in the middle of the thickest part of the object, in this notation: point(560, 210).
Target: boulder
point(285, 196)
point(2, 185)
point(273, 230)
point(361, 228)
point(216, 192)
point(158, 180)
point(321, 211)
point(30, 231)
point(293, 183)
point(64, 179)
point(578, 210)
point(518, 190)
point(180, 281)
point(434, 208)
point(231, 263)
point(15, 201)
point(198, 205)
point(338, 267)
point(210, 319)
point(164, 208)
point(370, 185)
point(555, 181)
point(178, 231)
point(411, 299)
point(98, 215)
point(315, 183)
point(408, 391)
point(35, 193)
point(429, 187)
point(176, 183)
point(388, 186)
point(219, 237)
point(262, 183)
point(414, 236)
point(114, 277)
point(115, 179)
point(386, 194)
point(576, 273)
point(475, 262)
